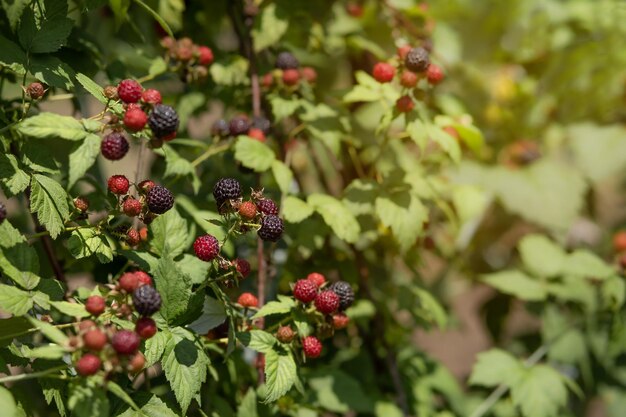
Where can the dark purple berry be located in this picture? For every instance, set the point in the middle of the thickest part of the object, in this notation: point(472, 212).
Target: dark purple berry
point(114, 146)
point(271, 228)
point(417, 59)
point(286, 60)
point(226, 189)
point(163, 121)
point(160, 199)
point(146, 300)
point(345, 293)
point(221, 128)
point(239, 125)
point(267, 206)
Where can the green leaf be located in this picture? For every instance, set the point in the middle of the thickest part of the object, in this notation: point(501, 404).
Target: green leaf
point(13, 327)
point(39, 159)
point(248, 406)
point(156, 17)
point(49, 200)
point(269, 28)
point(446, 141)
point(196, 268)
point(362, 93)
point(254, 154)
point(234, 72)
point(592, 143)
point(87, 400)
point(540, 393)
point(586, 264)
point(170, 233)
point(45, 352)
point(83, 157)
point(541, 256)
point(9, 235)
point(280, 374)
point(338, 392)
point(50, 36)
point(11, 55)
point(428, 308)
point(404, 214)
point(518, 284)
point(174, 288)
point(257, 340)
point(52, 126)
point(14, 300)
point(185, 365)
point(52, 333)
point(11, 175)
point(7, 403)
point(151, 406)
point(92, 88)
point(155, 347)
point(337, 216)
point(120, 10)
point(213, 314)
point(119, 392)
point(175, 165)
point(52, 71)
point(495, 367)
point(283, 175)
point(284, 305)
point(295, 210)
point(21, 264)
point(70, 309)
point(283, 107)
point(84, 243)
point(13, 9)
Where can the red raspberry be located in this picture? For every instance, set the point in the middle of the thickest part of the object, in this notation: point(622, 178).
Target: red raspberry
point(81, 204)
point(248, 300)
point(267, 80)
point(305, 290)
point(132, 237)
point(135, 119)
point(317, 278)
point(143, 233)
point(151, 96)
point(125, 342)
point(114, 146)
point(619, 241)
point(340, 321)
point(35, 90)
point(143, 277)
point(247, 210)
point(405, 104)
point(291, 77)
point(312, 347)
point(434, 74)
point(95, 340)
point(384, 72)
point(205, 55)
point(132, 207)
point(243, 267)
point(88, 364)
point(95, 305)
point(206, 247)
point(285, 334)
point(309, 74)
point(403, 51)
point(129, 282)
point(118, 184)
point(146, 185)
point(145, 327)
point(136, 363)
point(129, 91)
point(327, 302)
point(257, 134)
point(408, 79)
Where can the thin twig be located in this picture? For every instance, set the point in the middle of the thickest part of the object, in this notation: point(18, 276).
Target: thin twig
point(23, 377)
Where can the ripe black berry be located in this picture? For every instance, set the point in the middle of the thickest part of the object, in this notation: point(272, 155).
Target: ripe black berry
point(345, 293)
point(417, 59)
point(146, 300)
point(221, 128)
point(271, 228)
point(226, 189)
point(160, 199)
point(3, 212)
point(267, 206)
point(114, 146)
point(239, 125)
point(163, 121)
point(286, 60)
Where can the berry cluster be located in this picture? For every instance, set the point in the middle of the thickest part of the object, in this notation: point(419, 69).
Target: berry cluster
point(142, 107)
point(288, 73)
point(100, 344)
point(413, 65)
point(187, 58)
point(258, 128)
point(153, 200)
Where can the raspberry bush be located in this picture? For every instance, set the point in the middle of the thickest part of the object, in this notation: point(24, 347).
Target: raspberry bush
point(253, 208)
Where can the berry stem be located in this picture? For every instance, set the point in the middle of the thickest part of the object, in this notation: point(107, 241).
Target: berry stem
point(209, 153)
point(23, 377)
point(45, 233)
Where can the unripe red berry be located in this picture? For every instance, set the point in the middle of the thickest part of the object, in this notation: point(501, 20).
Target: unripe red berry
point(118, 184)
point(317, 278)
point(88, 364)
point(143, 277)
point(248, 300)
point(129, 282)
point(405, 104)
point(206, 247)
point(143, 233)
point(145, 327)
point(151, 96)
point(136, 363)
point(86, 325)
point(247, 210)
point(257, 134)
point(327, 302)
point(135, 119)
point(267, 80)
point(383, 72)
point(205, 55)
point(409, 79)
point(243, 267)
point(434, 74)
point(81, 204)
point(285, 334)
point(184, 53)
point(95, 305)
point(340, 321)
point(309, 74)
point(35, 90)
point(146, 185)
point(619, 241)
point(312, 347)
point(129, 91)
point(403, 51)
point(132, 207)
point(125, 342)
point(291, 77)
point(95, 339)
point(305, 290)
